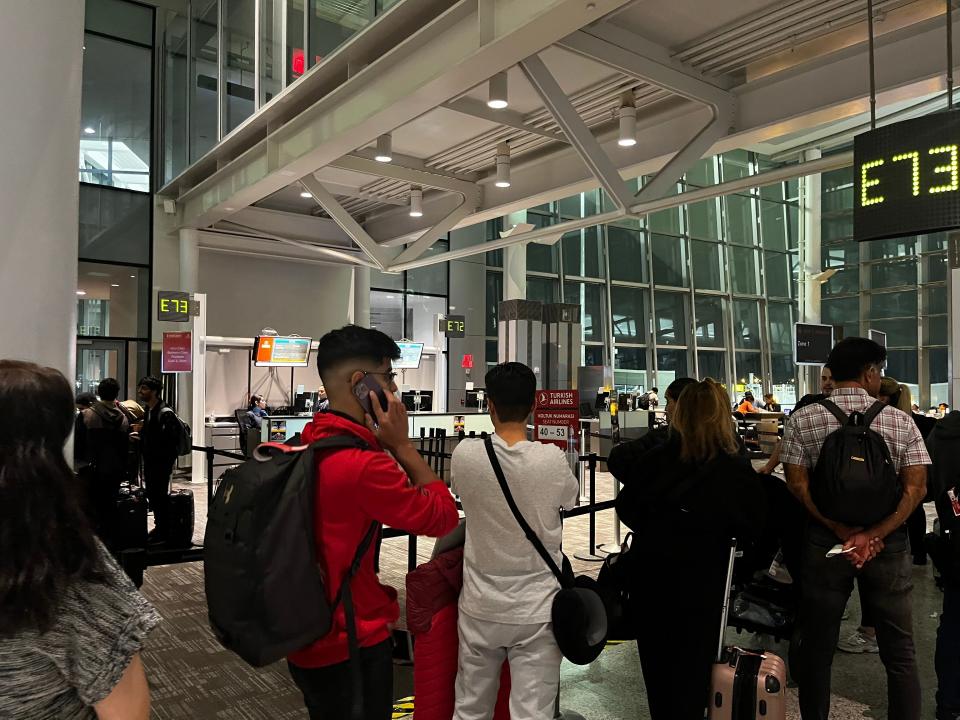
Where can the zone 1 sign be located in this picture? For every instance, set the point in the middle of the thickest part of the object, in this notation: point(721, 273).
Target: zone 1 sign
point(907, 178)
point(173, 306)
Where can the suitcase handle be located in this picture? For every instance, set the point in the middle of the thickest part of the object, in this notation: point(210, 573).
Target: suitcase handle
point(726, 598)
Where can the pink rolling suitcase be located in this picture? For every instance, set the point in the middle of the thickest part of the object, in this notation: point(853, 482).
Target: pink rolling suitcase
point(746, 684)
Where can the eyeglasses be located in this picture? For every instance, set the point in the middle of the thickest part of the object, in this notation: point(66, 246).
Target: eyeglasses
point(389, 376)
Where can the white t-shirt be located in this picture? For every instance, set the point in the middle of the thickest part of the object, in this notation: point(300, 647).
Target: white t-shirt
point(504, 579)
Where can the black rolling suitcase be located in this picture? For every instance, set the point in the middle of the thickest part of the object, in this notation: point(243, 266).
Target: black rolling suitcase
point(181, 518)
point(130, 521)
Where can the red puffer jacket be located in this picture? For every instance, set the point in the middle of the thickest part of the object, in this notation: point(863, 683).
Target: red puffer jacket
point(432, 593)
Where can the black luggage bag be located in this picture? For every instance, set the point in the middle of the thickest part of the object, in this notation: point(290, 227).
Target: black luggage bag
point(130, 521)
point(180, 511)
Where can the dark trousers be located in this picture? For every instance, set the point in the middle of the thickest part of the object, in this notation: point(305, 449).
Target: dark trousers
point(885, 586)
point(328, 691)
point(156, 478)
point(917, 527)
point(677, 658)
point(948, 656)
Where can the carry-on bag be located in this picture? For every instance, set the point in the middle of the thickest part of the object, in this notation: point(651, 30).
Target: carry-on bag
point(180, 514)
point(130, 519)
point(746, 684)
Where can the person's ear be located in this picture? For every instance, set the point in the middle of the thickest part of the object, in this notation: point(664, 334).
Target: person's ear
point(355, 377)
point(491, 408)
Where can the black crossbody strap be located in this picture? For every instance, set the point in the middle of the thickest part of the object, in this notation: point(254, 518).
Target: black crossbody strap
point(353, 644)
point(522, 521)
point(835, 411)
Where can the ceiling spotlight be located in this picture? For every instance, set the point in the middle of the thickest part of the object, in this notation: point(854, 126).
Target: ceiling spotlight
point(628, 122)
point(114, 285)
point(384, 148)
point(305, 194)
point(416, 202)
point(133, 276)
point(89, 130)
point(498, 91)
point(503, 166)
point(81, 292)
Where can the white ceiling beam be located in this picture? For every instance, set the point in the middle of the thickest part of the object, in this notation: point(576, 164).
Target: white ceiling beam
point(510, 118)
point(350, 257)
point(360, 194)
point(577, 131)
point(413, 175)
point(426, 241)
point(672, 76)
point(442, 61)
point(345, 220)
point(298, 226)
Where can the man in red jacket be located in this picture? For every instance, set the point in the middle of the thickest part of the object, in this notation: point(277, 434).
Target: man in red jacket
point(355, 488)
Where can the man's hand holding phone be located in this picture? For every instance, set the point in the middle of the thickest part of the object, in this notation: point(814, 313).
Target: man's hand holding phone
point(389, 426)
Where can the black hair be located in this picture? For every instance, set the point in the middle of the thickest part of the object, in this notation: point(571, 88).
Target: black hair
point(254, 399)
point(86, 399)
point(852, 355)
point(108, 389)
point(153, 383)
point(46, 542)
point(352, 342)
point(678, 386)
point(512, 387)
point(654, 390)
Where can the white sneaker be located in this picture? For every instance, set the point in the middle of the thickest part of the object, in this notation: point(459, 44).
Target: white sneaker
point(858, 642)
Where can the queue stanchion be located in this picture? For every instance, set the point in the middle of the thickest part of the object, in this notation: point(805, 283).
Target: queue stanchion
point(591, 555)
point(209, 450)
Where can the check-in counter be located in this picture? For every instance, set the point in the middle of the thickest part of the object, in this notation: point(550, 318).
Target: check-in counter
point(633, 424)
point(281, 428)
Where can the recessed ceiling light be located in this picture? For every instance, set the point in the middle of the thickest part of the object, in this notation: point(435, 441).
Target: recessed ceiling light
point(89, 130)
point(305, 194)
point(114, 285)
point(133, 276)
point(81, 292)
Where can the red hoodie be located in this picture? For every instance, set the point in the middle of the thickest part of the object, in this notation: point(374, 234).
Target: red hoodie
point(354, 488)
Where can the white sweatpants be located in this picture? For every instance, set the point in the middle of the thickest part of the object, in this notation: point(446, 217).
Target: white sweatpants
point(534, 669)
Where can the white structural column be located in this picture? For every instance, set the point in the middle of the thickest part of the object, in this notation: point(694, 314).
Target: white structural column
point(361, 297)
point(189, 274)
point(515, 272)
point(38, 185)
point(811, 206)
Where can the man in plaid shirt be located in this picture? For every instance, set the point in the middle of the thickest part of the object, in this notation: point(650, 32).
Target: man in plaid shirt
point(880, 559)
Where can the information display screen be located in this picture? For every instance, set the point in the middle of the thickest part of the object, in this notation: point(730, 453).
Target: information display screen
point(813, 343)
point(454, 326)
point(410, 353)
point(879, 337)
point(173, 306)
point(907, 178)
point(272, 351)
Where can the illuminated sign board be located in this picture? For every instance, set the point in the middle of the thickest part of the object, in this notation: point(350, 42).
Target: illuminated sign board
point(410, 354)
point(907, 178)
point(173, 306)
point(454, 326)
point(273, 351)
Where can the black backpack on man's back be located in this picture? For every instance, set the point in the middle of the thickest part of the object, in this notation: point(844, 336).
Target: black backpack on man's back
point(855, 482)
point(265, 587)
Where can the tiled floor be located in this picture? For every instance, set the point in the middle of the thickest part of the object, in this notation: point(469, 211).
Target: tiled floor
point(192, 677)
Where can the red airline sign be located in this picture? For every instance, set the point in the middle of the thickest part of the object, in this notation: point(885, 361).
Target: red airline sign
point(177, 355)
point(556, 416)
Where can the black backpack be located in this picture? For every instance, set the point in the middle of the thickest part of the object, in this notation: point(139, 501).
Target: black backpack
point(184, 434)
point(265, 589)
point(643, 402)
point(855, 481)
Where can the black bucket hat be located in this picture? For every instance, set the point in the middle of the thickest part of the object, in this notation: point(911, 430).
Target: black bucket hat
point(580, 622)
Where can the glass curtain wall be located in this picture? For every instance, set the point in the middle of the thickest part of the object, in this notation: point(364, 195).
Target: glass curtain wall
point(222, 60)
point(115, 220)
point(707, 289)
point(897, 286)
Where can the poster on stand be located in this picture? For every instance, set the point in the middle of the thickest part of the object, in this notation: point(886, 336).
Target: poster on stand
point(177, 355)
point(556, 417)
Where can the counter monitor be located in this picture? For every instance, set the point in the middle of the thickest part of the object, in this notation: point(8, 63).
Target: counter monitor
point(274, 351)
point(410, 353)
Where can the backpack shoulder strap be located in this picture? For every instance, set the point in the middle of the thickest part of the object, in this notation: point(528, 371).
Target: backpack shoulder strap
point(841, 416)
point(521, 520)
point(872, 413)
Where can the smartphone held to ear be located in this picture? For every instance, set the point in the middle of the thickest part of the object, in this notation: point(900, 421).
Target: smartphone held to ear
point(362, 391)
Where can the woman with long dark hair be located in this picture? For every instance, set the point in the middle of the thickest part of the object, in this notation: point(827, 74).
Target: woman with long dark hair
point(697, 494)
point(71, 623)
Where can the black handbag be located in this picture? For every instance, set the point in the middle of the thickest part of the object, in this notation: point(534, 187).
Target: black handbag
point(578, 614)
point(614, 583)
